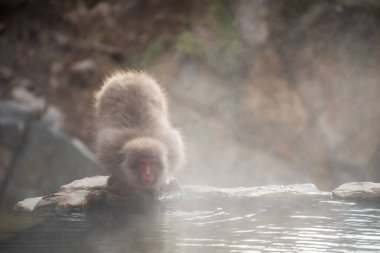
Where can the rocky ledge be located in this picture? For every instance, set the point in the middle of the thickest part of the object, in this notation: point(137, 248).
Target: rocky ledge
point(358, 191)
point(80, 195)
point(74, 196)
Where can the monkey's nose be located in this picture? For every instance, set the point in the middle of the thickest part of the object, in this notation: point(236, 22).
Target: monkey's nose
point(147, 175)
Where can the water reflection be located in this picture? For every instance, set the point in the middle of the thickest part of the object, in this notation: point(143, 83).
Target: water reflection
point(212, 224)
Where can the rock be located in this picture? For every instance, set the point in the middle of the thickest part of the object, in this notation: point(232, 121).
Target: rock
point(114, 52)
point(74, 201)
point(76, 196)
point(27, 204)
point(104, 11)
point(259, 191)
point(84, 66)
point(251, 21)
point(6, 74)
point(53, 118)
point(373, 4)
point(54, 156)
point(12, 122)
point(62, 39)
point(83, 72)
point(358, 190)
point(85, 193)
point(56, 71)
point(87, 183)
point(72, 197)
point(46, 154)
point(272, 98)
point(28, 99)
point(24, 83)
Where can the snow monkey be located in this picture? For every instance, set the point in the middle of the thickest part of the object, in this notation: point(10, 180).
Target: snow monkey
point(135, 141)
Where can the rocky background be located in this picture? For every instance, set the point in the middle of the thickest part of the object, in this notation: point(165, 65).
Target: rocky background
point(265, 92)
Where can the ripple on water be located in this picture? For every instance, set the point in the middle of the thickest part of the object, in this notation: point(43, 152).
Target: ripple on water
point(212, 224)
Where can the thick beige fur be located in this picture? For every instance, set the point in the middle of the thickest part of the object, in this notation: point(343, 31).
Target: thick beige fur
point(132, 121)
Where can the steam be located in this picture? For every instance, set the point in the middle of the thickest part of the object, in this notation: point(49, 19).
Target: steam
point(299, 107)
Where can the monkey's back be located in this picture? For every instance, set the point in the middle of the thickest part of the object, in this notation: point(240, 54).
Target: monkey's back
point(130, 100)
point(131, 105)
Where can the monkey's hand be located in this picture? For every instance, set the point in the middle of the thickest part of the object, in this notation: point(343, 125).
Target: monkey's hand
point(95, 199)
point(171, 185)
point(114, 187)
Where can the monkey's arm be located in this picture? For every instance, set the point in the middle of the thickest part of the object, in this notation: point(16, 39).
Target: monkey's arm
point(171, 185)
point(109, 144)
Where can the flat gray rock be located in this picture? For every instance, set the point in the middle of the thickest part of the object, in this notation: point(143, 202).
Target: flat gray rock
point(72, 197)
point(74, 201)
point(79, 195)
point(358, 190)
point(27, 204)
point(258, 191)
point(87, 183)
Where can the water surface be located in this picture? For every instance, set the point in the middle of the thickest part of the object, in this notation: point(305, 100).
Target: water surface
point(204, 223)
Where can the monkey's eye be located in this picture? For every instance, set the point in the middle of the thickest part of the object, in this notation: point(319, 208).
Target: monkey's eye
point(144, 163)
point(148, 162)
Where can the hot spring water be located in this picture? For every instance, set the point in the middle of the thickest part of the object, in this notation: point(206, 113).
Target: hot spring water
point(206, 223)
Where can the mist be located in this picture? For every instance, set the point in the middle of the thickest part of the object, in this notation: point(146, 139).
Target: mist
point(264, 92)
point(278, 103)
point(286, 93)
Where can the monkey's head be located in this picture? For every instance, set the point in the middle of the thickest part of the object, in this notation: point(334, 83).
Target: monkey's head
point(145, 163)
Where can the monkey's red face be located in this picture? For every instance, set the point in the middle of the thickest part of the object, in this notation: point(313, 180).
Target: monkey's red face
point(147, 170)
point(145, 164)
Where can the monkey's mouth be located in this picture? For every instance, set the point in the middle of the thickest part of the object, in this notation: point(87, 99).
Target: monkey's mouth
point(146, 175)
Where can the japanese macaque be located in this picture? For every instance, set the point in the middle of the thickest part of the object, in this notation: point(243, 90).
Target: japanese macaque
point(135, 140)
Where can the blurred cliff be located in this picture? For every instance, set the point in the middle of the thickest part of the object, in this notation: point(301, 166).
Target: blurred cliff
point(265, 92)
